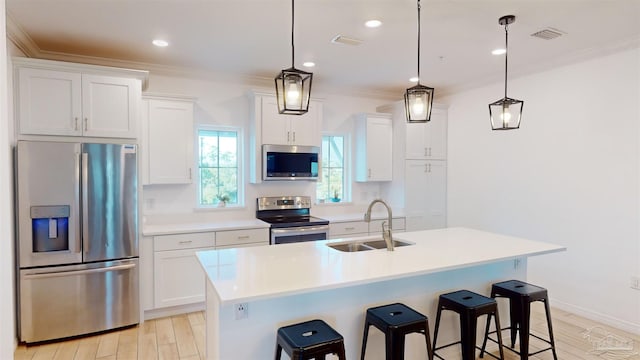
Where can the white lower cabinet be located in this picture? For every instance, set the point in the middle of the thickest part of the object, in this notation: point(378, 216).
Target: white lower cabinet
point(178, 279)
point(242, 238)
point(362, 228)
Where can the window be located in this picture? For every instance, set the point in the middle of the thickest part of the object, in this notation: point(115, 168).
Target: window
point(332, 187)
point(218, 167)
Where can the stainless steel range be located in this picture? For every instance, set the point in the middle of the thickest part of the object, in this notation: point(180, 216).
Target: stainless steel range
point(291, 220)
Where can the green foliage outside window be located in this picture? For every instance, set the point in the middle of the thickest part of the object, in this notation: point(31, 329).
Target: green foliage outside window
point(218, 166)
point(330, 187)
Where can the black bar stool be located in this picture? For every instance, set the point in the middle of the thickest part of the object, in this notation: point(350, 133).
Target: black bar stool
point(309, 340)
point(521, 295)
point(396, 321)
point(469, 307)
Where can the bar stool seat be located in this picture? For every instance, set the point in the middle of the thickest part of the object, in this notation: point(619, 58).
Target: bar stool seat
point(309, 340)
point(521, 295)
point(469, 306)
point(396, 321)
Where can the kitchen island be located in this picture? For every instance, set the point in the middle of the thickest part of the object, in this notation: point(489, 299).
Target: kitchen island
point(285, 284)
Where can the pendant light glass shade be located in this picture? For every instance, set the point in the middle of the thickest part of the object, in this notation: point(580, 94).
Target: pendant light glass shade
point(418, 100)
point(417, 103)
point(293, 90)
point(293, 86)
point(506, 113)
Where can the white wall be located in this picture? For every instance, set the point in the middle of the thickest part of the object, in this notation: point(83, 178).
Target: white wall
point(569, 175)
point(224, 104)
point(7, 312)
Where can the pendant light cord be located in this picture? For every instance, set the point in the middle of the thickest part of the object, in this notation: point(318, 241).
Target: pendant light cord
point(506, 56)
point(292, 46)
point(418, 41)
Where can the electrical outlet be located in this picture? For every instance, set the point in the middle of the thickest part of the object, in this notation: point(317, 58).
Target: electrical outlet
point(635, 282)
point(242, 311)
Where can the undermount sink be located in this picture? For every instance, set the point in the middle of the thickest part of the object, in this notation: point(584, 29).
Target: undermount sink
point(365, 245)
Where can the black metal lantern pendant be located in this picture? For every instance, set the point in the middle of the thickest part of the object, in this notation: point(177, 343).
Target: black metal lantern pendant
point(506, 113)
point(293, 86)
point(418, 100)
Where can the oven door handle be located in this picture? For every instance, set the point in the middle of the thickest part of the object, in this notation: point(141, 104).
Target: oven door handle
point(301, 230)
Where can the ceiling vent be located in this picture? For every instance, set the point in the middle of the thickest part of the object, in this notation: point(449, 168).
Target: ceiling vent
point(548, 33)
point(340, 39)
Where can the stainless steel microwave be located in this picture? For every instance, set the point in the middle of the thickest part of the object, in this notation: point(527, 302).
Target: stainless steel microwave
point(290, 162)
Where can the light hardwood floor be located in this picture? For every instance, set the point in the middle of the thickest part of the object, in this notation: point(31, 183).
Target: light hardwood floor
point(182, 338)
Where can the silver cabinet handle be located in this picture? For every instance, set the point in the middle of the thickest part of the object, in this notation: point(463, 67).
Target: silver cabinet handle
point(75, 123)
point(294, 136)
point(349, 228)
point(369, 173)
point(429, 167)
point(86, 121)
point(426, 151)
point(426, 167)
point(288, 134)
point(429, 151)
point(244, 237)
point(185, 242)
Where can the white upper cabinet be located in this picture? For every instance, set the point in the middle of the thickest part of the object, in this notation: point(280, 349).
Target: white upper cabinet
point(374, 145)
point(281, 129)
point(428, 140)
point(57, 98)
point(268, 127)
point(49, 102)
point(168, 135)
point(110, 106)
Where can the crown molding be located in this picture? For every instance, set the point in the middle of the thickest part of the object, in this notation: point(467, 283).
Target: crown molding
point(20, 38)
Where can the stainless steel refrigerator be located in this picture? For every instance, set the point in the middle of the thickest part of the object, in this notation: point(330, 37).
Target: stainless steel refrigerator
point(77, 238)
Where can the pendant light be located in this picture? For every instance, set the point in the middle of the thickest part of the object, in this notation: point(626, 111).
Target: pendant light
point(418, 99)
point(506, 113)
point(293, 86)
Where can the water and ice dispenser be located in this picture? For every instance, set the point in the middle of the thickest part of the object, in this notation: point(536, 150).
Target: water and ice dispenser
point(50, 228)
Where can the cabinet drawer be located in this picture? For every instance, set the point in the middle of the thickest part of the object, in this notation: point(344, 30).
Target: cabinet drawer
point(183, 241)
point(376, 225)
point(238, 237)
point(348, 228)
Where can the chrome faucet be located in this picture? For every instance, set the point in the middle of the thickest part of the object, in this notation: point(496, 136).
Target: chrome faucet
point(386, 234)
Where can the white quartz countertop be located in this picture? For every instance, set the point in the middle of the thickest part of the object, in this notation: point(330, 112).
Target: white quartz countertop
point(165, 229)
point(254, 273)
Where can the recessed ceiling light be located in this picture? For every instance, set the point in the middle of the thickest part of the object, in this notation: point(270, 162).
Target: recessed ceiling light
point(414, 79)
point(160, 43)
point(308, 64)
point(373, 23)
point(499, 51)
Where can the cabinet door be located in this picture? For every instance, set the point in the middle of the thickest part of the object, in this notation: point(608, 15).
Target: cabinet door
point(275, 126)
point(348, 229)
point(110, 106)
point(306, 129)
point(49, 102)
point(178, 278)
point(170, 142)
point(425, 194)
point(428, 140)
point(373, 155)
point(280, 129)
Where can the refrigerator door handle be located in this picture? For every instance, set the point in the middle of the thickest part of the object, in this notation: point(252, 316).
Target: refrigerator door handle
point(85, 203)
point(77, 238)
point(78, 272)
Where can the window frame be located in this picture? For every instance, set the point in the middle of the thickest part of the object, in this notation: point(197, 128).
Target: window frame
point(346, 170)
point(240, 165)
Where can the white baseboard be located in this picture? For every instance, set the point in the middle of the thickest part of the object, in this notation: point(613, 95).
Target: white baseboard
point(596, 316)
point(173, 310)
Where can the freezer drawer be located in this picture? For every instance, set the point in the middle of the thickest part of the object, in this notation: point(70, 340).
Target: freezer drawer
point(58, 302)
